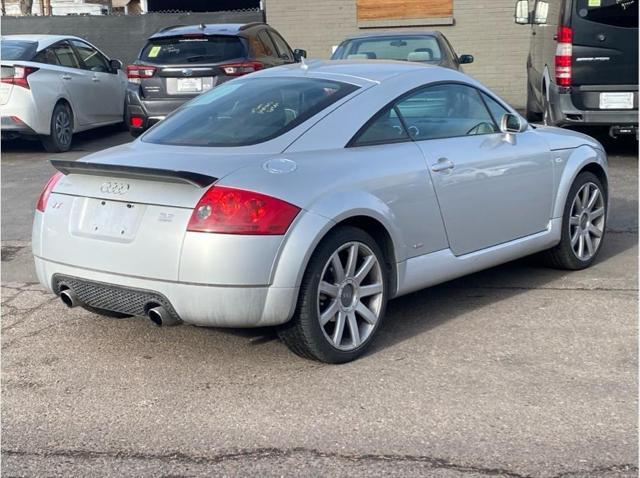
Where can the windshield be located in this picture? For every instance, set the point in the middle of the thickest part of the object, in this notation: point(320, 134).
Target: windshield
point(247, 111)
point(17, 49)
point(201, 49)
point(620, 13)
point(408, 48)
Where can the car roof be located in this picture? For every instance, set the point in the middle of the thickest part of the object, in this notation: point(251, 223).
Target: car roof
point(42, 40)
point(206, 29)
point(358, 72)
point(407, 33)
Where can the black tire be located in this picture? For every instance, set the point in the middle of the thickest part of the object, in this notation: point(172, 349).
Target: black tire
point(105, 313)
point(532, 112)
point(303, 334)
point(61, 130)
point(562, 256)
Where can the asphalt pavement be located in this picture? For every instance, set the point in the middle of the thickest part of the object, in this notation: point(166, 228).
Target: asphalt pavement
point(516, 371)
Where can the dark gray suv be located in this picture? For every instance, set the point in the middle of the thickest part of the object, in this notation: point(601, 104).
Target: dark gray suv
point(178, 63)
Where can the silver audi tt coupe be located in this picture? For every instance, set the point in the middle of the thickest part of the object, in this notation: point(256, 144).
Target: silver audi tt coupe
point(306, 196)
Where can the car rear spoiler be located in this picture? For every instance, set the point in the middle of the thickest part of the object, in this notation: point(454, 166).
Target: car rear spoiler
point(132, 172)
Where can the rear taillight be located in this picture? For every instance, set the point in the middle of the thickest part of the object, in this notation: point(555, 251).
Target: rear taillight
point(239, 69)
point(46, 192)
point(19, 77)
point(564, 52)
point(135, 73)
point(136, 121)
point(235, 211)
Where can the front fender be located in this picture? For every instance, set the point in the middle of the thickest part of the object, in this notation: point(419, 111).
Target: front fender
point(574, 162)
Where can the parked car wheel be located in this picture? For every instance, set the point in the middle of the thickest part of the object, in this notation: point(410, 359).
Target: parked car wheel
point(59, 140)
point(342, 299)
point(583, 224)
point(105, 313)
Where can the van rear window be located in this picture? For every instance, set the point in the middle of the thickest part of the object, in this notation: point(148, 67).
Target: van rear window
point(619, 13)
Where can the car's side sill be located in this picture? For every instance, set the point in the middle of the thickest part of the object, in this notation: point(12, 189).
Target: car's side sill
point(441, 266)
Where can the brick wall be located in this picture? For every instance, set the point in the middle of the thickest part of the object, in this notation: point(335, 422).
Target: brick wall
point(483, 28)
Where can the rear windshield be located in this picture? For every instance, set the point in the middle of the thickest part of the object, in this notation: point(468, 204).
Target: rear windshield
point(423, 48)
point(181, 50)
point(619, 13)
point(17, 49)
point(247, 111)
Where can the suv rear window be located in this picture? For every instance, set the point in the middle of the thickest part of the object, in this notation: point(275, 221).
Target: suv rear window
point(247, 111)
point(17, 50)
point(619, 13)
point(408, 48)
point(181, 50)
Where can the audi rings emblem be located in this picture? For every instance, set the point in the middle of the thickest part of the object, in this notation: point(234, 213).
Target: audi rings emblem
point(113, 187)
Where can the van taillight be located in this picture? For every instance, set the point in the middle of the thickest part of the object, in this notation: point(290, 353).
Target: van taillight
point(19, 75)
point(226, 210)
point(46, 191)
point(564, 52)
point(137, 72)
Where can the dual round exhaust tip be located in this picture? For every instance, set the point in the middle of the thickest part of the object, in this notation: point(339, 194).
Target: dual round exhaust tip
point(158, 315)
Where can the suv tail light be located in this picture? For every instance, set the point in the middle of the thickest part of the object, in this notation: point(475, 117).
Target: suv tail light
point(46, 192)
point(225, 210)
point(564, 52)
point(137, 72)
point(239, 69)
point(19, 76)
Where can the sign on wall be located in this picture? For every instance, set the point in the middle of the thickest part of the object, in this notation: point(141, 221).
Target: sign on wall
point(382, 13)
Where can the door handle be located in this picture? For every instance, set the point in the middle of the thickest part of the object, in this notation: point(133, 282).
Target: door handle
point(66, 77)
point(443, 164)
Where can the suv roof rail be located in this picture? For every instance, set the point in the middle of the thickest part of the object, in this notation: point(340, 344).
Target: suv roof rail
point(250, 25)
point(170, 28)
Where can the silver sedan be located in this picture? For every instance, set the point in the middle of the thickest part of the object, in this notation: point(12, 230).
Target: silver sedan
point(307, 196)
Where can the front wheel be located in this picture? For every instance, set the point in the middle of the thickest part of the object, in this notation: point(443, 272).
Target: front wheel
point(342, 299)
point(61, 130)
point(583, 225)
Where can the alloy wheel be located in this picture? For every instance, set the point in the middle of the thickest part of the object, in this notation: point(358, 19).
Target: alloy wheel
point(587, 221)
point(350, 296)
point(62, 125)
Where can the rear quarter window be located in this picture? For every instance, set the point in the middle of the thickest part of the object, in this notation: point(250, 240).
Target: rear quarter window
point(181, 50)
point(17, 50)
point(619, 13)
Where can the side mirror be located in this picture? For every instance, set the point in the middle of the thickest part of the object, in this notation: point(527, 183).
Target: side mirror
point(464, 59)
point(541, 13)
point(116, 65)
point(511, 123)
point(522, 12)
point(299, 54)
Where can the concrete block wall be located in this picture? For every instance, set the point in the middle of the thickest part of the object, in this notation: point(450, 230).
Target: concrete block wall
point(483, 28)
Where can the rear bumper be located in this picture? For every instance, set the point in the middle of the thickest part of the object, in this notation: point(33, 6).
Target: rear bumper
point(150, 111)
point(203, 305)
point(566, 112)
point(13, 126)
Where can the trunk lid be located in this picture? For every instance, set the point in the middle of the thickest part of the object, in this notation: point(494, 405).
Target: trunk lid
point(6, 88)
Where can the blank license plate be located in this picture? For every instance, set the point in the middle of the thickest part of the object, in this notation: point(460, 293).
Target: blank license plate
point(189, 85)
point(110, 219)
point(616, 101)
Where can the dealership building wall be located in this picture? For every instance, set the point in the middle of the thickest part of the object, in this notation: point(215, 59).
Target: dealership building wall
point(484, 29)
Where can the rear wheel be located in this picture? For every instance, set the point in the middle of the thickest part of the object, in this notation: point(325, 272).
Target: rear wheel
point(342, 299)
point(59, 140)
point(583, 225)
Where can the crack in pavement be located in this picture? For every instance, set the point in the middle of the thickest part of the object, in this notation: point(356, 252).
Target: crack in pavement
point(435, 463)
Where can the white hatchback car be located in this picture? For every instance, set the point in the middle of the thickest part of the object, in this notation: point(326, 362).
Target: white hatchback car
point(54, 86)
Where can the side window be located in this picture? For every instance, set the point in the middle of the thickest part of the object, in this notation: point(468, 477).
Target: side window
point(46, 56)
point(269, 48)
point(496, 109)
point(445, 111)
point(93, 60)
point(385, 127)
point(65, 55)
point(283, 49)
